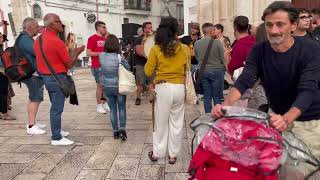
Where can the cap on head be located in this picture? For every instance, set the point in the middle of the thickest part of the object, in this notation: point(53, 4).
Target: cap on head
point(195, 25)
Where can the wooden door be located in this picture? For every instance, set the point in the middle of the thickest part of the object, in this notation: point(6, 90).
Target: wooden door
point(308, 4)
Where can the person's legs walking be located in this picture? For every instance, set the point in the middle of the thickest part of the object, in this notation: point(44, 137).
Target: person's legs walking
point(207, 92)
point(217, 85)
point(35, 89)
point(4, 83)
point(176, 120)
point(162, 112)
point(122, 116)
point(122, 110)
point(113, 104)
point(99, 91)
point(140, 80)
point(57, 99)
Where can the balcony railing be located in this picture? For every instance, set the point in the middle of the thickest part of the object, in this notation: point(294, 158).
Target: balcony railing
point(143, 5)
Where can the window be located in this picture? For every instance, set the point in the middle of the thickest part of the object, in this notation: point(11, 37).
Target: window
point(125, 20)
point(180, 17)
point(37, 11)
point(180, 12)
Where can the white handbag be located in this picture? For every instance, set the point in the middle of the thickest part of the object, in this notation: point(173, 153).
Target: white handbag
point(127, 82)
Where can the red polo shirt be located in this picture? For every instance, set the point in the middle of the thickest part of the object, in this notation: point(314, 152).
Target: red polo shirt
point(55, 51)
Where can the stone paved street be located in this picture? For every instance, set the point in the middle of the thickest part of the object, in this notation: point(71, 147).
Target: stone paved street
point(95, 155)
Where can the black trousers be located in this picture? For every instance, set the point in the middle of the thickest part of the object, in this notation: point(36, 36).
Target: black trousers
point(4, 84)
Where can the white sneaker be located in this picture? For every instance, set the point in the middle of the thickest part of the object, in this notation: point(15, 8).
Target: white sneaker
point(64, 133)
point(61, 142)
point(41, 126)
point(100, 109)
point(35, 130)
point(106, 106)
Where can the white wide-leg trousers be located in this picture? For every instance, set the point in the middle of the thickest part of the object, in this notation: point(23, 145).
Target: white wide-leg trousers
point(169, 119)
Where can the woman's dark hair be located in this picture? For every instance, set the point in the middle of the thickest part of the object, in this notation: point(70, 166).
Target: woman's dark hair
point(241, 24)
point(303, 10)
point(282, 6)
point(166, 35)
point(112, 44)
point(261, 35)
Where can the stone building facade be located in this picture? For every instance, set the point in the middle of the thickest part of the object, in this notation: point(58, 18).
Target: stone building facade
point(224, 11)
point(75, 13)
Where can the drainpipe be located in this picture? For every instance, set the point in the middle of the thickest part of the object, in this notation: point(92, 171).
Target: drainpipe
point(97, 10)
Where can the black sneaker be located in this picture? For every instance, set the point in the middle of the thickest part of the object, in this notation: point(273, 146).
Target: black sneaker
point(138, 101)
point(123, 135)
point(116, 135)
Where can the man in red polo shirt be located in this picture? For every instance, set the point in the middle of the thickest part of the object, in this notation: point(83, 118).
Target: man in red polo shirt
point(58, 57)
point(95, 46)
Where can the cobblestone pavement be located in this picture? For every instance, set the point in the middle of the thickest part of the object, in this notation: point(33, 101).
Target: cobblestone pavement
point(95, 155)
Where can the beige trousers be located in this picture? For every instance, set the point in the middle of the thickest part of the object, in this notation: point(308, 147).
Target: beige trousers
point(169, 119)
point(309, 133)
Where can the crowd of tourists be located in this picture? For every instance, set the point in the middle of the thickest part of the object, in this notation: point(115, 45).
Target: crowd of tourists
point(274, 65)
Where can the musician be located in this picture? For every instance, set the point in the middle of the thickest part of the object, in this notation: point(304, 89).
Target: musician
point(141, 60)
point(189, 40)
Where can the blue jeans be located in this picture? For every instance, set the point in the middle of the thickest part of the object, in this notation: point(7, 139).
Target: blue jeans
point(212, 84)
point(117, 103)
point(57, 104)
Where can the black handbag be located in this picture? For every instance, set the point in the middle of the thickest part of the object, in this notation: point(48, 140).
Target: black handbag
point(197, 74)
point(67, 88)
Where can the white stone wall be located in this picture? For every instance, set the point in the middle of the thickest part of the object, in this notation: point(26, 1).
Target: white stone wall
point(190, 13)
point(224, 11)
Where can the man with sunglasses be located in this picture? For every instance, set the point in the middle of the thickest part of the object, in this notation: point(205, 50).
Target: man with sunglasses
point(95, 46)
point(303, 24)
point(54, 51)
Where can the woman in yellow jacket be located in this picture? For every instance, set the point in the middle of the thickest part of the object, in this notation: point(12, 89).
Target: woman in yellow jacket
point(168, 59)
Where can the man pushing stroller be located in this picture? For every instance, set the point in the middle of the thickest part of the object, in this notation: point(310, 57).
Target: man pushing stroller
point(289, 70)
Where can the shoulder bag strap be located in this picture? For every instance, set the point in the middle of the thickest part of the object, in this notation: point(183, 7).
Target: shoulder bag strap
point(53, 73)
point(205, 60)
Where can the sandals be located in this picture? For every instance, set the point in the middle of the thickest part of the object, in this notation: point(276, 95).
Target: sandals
point(172, 160)
point(152, 157)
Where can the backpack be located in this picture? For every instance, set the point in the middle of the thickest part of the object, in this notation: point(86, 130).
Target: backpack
point(16, 66)
point(241, 148)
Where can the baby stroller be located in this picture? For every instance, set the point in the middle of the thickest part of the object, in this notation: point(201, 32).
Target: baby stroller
point(243, 146)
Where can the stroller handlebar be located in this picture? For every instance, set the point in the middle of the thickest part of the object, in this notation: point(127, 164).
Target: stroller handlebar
point(234, 111)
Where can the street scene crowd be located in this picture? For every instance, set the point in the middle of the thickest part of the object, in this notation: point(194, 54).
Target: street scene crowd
point(274, 68)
